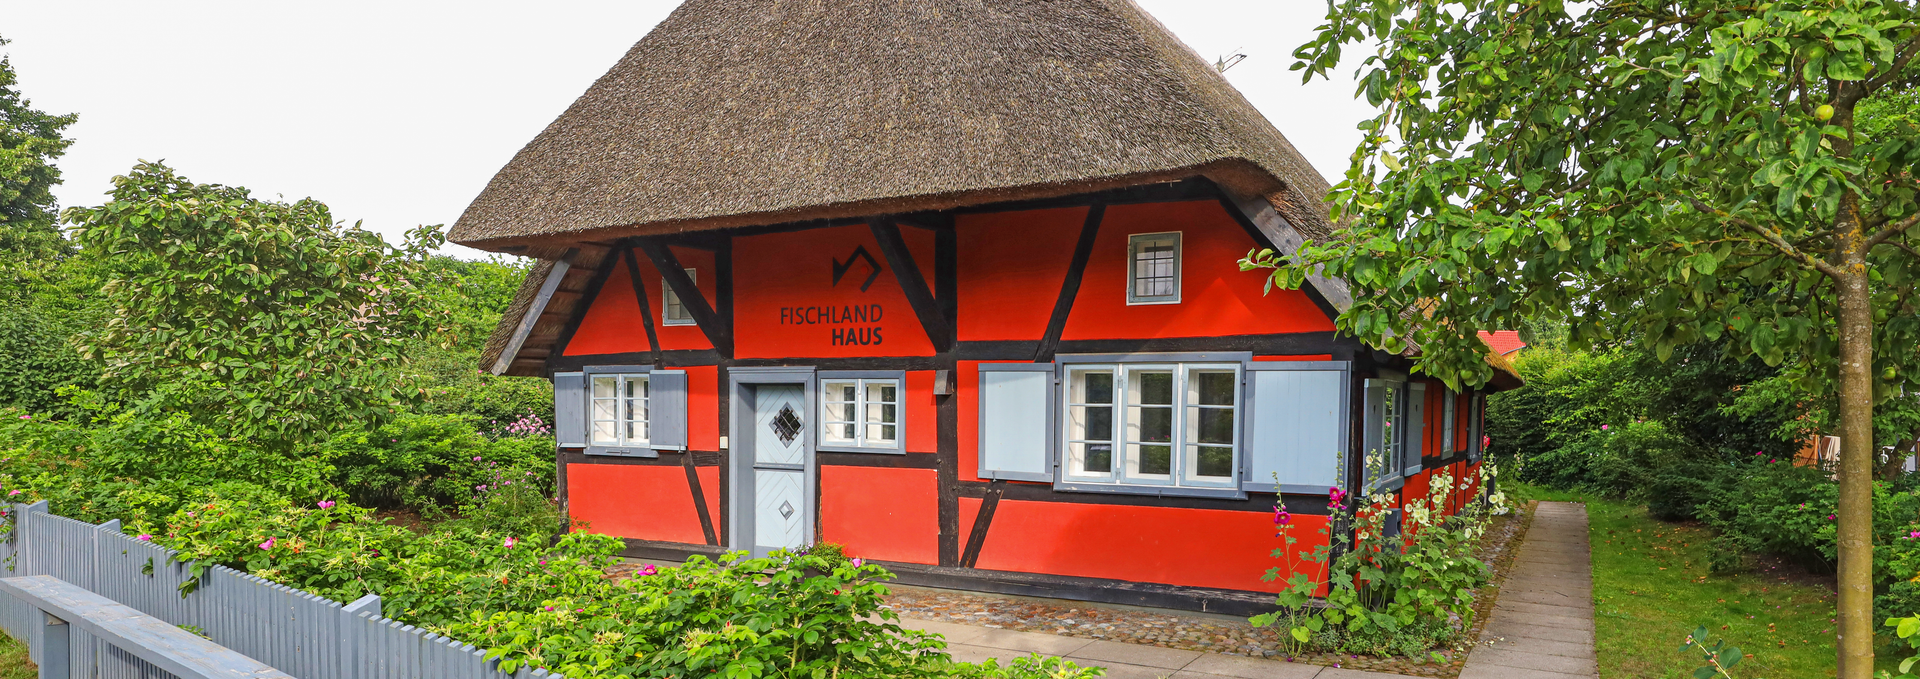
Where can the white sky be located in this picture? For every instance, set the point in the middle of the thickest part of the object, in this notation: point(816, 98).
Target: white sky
point(397, 112)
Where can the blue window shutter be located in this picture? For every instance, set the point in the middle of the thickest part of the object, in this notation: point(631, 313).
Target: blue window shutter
point(667, 401)
point(1374, 435)
point(1297, 427)
point(1016, 421)
point(1416, 428)
point(570, 409)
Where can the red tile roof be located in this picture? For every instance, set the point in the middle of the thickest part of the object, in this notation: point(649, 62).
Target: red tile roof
point(1503, 342)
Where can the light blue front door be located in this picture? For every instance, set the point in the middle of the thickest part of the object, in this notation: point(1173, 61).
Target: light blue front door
point(782, 512)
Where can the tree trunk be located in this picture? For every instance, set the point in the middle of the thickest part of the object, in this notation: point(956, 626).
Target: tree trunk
point(1856, 469)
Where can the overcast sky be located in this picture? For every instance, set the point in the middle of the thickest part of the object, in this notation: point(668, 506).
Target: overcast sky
point(397, 112)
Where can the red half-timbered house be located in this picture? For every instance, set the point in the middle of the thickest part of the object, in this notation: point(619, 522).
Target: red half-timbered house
point(950, 283)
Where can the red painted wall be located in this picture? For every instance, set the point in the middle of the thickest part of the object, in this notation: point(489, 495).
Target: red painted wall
point(647, 502)
point(1216, 297)
point(1008, 293)
point(921, 417)
point(613, 323)
point(703, 407)
point(882, 513)
point(793, 273)
point(1192, 547)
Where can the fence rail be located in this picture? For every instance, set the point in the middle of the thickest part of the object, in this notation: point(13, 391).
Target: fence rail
point(305, 636)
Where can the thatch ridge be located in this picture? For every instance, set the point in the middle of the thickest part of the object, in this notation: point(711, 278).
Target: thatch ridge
point(743, 112)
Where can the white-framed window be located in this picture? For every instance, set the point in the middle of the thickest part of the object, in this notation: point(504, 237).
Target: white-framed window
point(1447, 416)
point(860, 413)
point(1389, 452)
point(672, 312)
point(1153, 268)
point(1396, 423)
point(1152, 424)
point(618, 410)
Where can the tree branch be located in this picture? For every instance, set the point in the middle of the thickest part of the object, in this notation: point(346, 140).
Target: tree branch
point(1903, 246)
point(1907, 52)
point(1896, 228)
point(1775, 239)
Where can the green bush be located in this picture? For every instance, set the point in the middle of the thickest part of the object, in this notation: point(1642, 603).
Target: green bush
point(733, 617)
point(437, 461)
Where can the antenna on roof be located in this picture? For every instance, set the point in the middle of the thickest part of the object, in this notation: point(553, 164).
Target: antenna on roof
point(1227, 61)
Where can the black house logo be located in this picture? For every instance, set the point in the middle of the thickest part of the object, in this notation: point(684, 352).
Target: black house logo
point(859, 252)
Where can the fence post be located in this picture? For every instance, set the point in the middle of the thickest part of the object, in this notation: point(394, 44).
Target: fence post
point(23, 547)
point(352, 645)
point(55, 651)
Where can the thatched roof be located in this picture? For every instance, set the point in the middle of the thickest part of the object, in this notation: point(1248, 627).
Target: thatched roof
point(746, 112)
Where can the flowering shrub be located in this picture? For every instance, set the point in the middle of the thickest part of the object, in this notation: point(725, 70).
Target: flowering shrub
point(1388, 594)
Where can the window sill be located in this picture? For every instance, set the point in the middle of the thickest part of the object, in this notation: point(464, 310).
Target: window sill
point(622, 451)
point(1162, 491)
point(1391, 484)
point(685, 322)
point(858, 449)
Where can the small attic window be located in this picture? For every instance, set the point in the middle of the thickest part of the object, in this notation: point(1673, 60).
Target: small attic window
point(1153, 272)
point(675, 313)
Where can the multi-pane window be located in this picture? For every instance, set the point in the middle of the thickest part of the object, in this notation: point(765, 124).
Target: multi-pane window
point(1395, 438)
point(1172, 424)
point(1090, 418)
point(1153, 272)
point(1447, 417)
point(672, 311)
point(619, 410)
point(860, 413)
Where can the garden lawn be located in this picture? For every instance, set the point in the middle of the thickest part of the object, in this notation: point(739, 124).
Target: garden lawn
point(1651, 588)
point(13, 660)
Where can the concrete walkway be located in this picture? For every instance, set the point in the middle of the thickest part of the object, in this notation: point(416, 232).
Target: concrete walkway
point(1542, 625)
point(1122, 661)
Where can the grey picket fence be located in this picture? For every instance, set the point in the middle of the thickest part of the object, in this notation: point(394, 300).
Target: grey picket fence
point(303, 635)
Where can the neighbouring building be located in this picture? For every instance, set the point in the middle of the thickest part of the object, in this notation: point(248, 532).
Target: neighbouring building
point(953, 284)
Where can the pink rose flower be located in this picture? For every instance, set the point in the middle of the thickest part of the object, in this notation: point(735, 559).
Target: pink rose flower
point(1603, 427)
point(859, 562)
point(510, 542)
point(145, 538)
point(267, 545)
point(326, 504)
point(647, 570)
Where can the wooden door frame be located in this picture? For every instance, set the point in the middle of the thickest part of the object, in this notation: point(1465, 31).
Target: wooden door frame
point(741, 381)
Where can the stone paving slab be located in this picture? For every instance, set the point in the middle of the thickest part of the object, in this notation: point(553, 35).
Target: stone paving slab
point(967, 643)
point(1542, 625)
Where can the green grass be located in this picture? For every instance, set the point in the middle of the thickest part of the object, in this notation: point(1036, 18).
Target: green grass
point(1651, 588)
point(13, 660)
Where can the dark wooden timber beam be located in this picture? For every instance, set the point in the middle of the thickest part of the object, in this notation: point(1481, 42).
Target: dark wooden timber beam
point(719, 331)
point(1070, 288)
point(912, 283)
point(640, 293)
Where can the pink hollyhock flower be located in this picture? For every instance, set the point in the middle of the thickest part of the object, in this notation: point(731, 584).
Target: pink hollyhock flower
point(145, 538)
point(510, 542)
point(326, 504)
point(267, 545)
point(1281, 517)
point(647, 570)
point(1486, 441)
point(1829, 517)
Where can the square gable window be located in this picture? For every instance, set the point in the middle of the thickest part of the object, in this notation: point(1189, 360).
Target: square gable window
point(672, 311)
point(1153, 268)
